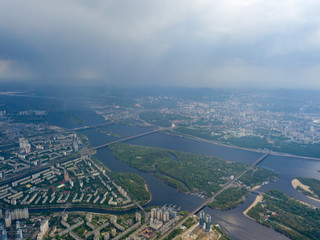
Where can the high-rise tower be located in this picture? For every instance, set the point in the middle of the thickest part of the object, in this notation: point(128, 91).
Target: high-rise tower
point(208, 221)
point(201, 222)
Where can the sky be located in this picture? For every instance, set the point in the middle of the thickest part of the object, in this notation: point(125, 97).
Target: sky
point(202, 43)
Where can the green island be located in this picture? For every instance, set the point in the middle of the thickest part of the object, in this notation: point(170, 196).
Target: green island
point(190, 172)
point(287, 215)
point(308, 186)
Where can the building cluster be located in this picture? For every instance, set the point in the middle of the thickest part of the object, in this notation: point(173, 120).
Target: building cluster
point(9, 217)
point(159, 216)
point(13, 130)
point(101, 227)
point(14, 215)
point(80, 180)
point(204, 221)
point(25, 146)
point(38, 150)
point(12, 127)
point(98, 226)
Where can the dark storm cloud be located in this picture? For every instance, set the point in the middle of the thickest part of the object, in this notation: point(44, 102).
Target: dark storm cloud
point(179, 43)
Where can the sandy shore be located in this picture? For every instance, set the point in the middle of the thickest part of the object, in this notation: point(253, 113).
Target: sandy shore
point(296, 183)
point(256, 187)
point(258, 199)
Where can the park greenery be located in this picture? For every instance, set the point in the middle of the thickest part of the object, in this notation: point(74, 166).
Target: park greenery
point(229, 198)
point(172, 182)
point(287, 215)
point(257, 175)
point(313, 184)
point(190, 222)
point(134, 184)
point(186, 172)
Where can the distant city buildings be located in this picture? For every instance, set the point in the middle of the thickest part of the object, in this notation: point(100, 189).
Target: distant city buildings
point(238, 115)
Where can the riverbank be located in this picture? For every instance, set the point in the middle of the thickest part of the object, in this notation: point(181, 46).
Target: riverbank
point(296, 183)
point(146, 187)
point(258, 199)
point(281, 154)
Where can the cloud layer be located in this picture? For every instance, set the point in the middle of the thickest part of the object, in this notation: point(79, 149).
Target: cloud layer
point(231, 43)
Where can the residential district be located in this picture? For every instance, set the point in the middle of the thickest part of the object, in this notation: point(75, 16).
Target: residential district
point(20, 224)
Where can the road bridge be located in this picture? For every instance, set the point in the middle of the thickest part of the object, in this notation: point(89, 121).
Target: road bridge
point(128, 138)
point(93, 126)
point(226, 186)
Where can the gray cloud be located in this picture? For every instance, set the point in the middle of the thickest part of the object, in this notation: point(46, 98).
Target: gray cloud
point(231, 43)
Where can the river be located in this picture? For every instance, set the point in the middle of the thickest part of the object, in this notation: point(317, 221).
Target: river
point(233, 222)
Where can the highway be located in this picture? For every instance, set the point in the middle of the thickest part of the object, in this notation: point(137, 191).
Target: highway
point(226, 186)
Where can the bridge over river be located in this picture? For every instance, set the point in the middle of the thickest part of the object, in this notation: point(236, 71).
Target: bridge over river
point(93, 126)
point(226, 186)
point(129, 138)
